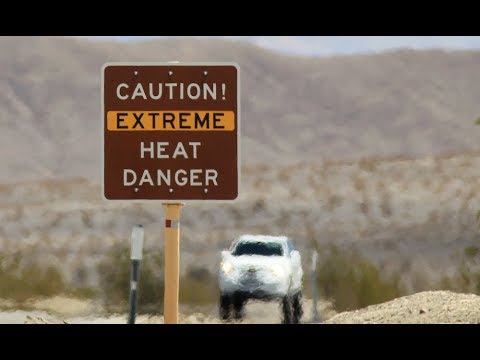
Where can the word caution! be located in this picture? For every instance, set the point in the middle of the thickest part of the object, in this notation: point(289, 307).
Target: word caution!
point(169, 91)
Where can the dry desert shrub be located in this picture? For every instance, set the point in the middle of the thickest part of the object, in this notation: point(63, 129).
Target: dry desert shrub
point(197, 286)
point(21, 283)
point(466, 279)
point(351, 281)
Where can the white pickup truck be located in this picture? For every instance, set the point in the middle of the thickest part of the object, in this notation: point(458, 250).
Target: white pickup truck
point(261, 267)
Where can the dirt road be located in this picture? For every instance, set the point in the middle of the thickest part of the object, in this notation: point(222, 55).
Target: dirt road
point(430, 307)
point(60, 310)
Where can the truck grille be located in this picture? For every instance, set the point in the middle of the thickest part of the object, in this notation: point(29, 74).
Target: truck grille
point(250, 279)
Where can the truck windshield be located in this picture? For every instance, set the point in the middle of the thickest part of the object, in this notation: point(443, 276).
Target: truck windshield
point(258, 248)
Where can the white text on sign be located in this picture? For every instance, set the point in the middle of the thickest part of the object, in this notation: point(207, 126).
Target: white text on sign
point(170, 91)
point(167, 177)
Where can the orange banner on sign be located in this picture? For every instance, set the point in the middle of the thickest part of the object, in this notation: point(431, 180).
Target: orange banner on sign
point(183, 120)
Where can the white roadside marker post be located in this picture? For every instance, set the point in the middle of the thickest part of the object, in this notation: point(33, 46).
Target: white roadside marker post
point(136, 257)
point(315, 317)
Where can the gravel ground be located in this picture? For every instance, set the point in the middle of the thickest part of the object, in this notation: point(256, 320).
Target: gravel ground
point(429, 307)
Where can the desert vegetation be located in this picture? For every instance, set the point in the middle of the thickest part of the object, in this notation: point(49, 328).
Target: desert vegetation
point(406, 225)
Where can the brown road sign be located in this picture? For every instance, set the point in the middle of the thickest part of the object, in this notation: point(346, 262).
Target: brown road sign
point(171, 131)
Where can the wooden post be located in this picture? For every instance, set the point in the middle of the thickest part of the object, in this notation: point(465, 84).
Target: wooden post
point(172, 261)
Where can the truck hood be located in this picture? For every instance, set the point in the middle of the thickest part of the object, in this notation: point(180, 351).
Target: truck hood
point(257, 262)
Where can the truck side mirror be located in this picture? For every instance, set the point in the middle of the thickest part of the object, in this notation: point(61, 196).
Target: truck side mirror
point(295, 255)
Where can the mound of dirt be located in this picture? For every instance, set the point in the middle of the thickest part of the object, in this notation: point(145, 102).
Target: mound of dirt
point(429, 307)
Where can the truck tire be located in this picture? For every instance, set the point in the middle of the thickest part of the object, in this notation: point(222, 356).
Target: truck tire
point(286, 310)
point(238, 307)
point(297, 308)
point(224, 308)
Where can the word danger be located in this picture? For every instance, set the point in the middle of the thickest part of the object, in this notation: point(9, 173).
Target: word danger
point(180, 177)
point(167, 177)
point(170, 91)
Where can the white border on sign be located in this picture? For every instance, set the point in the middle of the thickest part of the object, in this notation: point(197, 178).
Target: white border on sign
point(170, 63)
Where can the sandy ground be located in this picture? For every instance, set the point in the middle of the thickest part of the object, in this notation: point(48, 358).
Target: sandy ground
point(430, 307)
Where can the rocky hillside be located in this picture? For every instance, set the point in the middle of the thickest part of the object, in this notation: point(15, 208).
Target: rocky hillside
point(416, 216)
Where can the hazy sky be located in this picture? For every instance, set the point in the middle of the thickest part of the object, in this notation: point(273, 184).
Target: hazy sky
point(330, 45)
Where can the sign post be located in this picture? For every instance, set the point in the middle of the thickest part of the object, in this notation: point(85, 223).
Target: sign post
point(172, 262)
point(171, 133)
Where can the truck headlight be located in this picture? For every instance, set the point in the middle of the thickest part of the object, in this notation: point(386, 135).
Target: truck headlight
point(278, 271)
point(227, 267)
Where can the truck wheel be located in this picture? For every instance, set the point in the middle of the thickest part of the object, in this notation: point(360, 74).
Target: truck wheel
point(297, 308)
point(238, 307)
point(286, 310)
point(225, 303)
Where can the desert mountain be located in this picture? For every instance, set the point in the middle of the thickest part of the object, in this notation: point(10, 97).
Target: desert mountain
point(294, 109)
